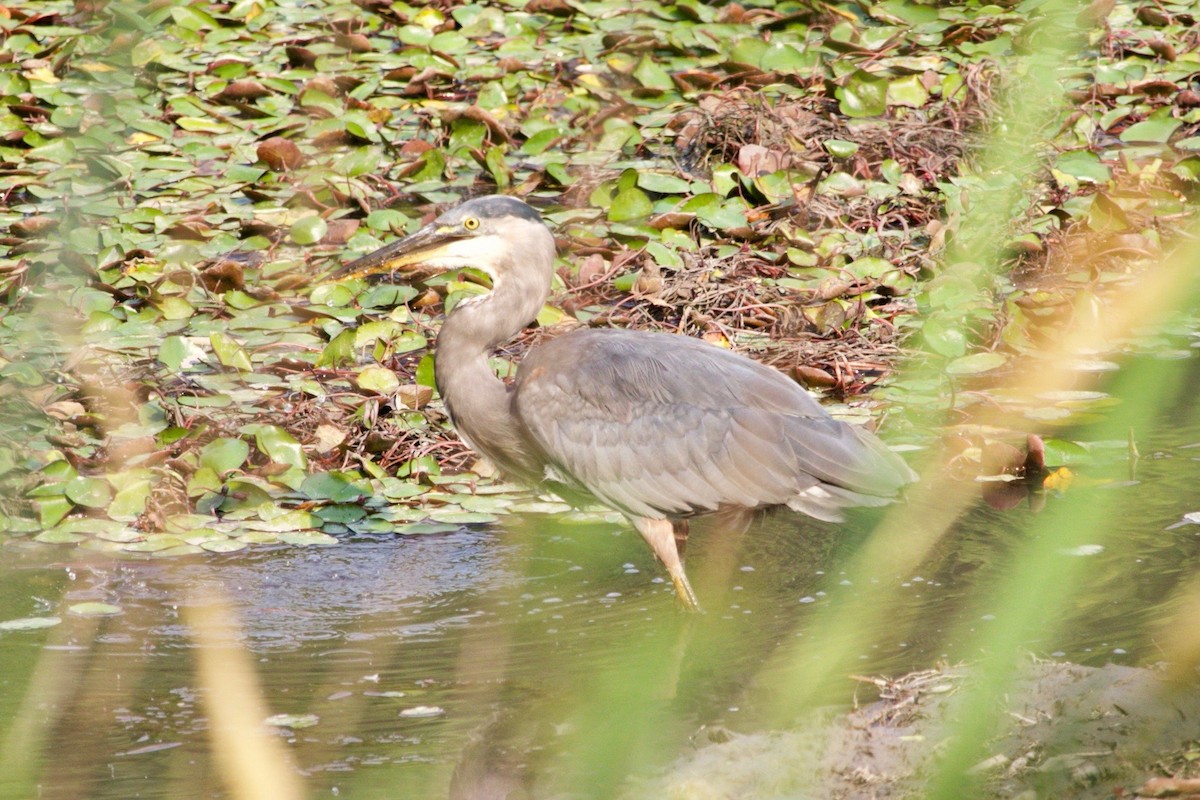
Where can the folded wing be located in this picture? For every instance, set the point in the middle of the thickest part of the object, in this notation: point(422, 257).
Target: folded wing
point(660, 425)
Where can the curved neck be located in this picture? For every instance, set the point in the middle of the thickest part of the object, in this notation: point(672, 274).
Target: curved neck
point(475, 398)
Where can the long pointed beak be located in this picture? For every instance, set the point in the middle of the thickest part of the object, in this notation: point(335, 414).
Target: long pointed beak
point(424, 244)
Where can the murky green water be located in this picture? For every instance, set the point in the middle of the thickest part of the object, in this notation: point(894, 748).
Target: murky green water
point(479, 650)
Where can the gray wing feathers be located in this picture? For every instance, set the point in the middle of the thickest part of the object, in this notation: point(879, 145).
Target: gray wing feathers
point(660, 425)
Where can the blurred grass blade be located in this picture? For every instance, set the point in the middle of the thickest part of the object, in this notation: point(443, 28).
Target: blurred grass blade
point(253, 762)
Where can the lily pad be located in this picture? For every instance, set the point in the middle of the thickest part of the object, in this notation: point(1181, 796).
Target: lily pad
point(307, 538)
point(422, 712)
point(223, 545)
point(308, 230)
point(94, 609)
point(56, 536)
point(630, 204)
point(338, 487)
point(29, 623)
point(293, 721)
point(377, 379)
point(224, 455)
point(89, 492)
point(976, 363)
point(863, 95)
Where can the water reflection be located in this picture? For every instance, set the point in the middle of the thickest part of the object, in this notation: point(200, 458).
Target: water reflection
point(482, 657)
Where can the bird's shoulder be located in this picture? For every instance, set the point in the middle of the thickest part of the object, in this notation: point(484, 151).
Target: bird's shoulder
point(623, 368)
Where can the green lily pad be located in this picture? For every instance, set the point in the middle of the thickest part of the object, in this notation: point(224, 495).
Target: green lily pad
point(422, 528)
point(946, 339)
point(461, 517)
point(307, 538)
point(57, 536)
point(377, 379)
point(95, 609)
point(278, 444)
point(661, 183)
point(629, 204)
point(341, 513)
point(179, 550)
point(335, 486)
point(293, 721)
point(717, 212)
point(52, 510)
point(258, 537)
point(229, 352)
point(651, 75)
point(1060, 452)
point(839, 148)
point(223, 545)
point(89, 492)
point(308, 230)
point(976, 363)
point(1083, 165)
point(29, 623)
point(863, 95)
point(130, 501)
point(224, 455)
point(1156, 129)
point(154, 543)
point(908, 91)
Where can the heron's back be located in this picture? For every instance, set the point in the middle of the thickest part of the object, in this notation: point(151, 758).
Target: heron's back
point(661, 425)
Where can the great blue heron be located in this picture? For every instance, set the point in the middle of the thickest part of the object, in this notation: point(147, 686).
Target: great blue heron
point(660, 427)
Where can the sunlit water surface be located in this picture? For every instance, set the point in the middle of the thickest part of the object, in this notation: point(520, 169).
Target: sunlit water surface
point(412, 651)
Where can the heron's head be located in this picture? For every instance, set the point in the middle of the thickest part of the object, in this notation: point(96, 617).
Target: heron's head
point(495, 234)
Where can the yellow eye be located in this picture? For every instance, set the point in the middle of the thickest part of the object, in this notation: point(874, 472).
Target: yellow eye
point(470, 223)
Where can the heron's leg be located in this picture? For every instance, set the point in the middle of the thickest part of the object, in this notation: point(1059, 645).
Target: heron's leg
point(660, 535)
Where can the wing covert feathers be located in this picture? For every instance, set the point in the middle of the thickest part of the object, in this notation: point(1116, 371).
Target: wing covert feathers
point(661, 425)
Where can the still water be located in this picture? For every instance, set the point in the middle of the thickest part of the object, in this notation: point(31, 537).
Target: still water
point(499, 652)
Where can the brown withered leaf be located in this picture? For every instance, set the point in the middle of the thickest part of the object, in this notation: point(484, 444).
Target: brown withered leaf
point(29, 227)
point(825, 317)
point(414, 395)
point(354, 42)
point(339, 231)
point(430, 298)
point(691, 80)
point(223, 276)
point(1163, 49)
point(832, 288)
point(590, 269)
point(1152, 15)
point(420, 83)
point(414, 148)
point(328, 437)
point(243, 90)
point(1000, 458)
point(280, 154)
point(1155, 88)
point(555, 8)
point(679, 220)
point(258, 227)
point(195, 230)
point(1035, 456)
point(332, 138)
point(754, 160)
point(323, 85)
point(300, 56)
point(812, 376)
